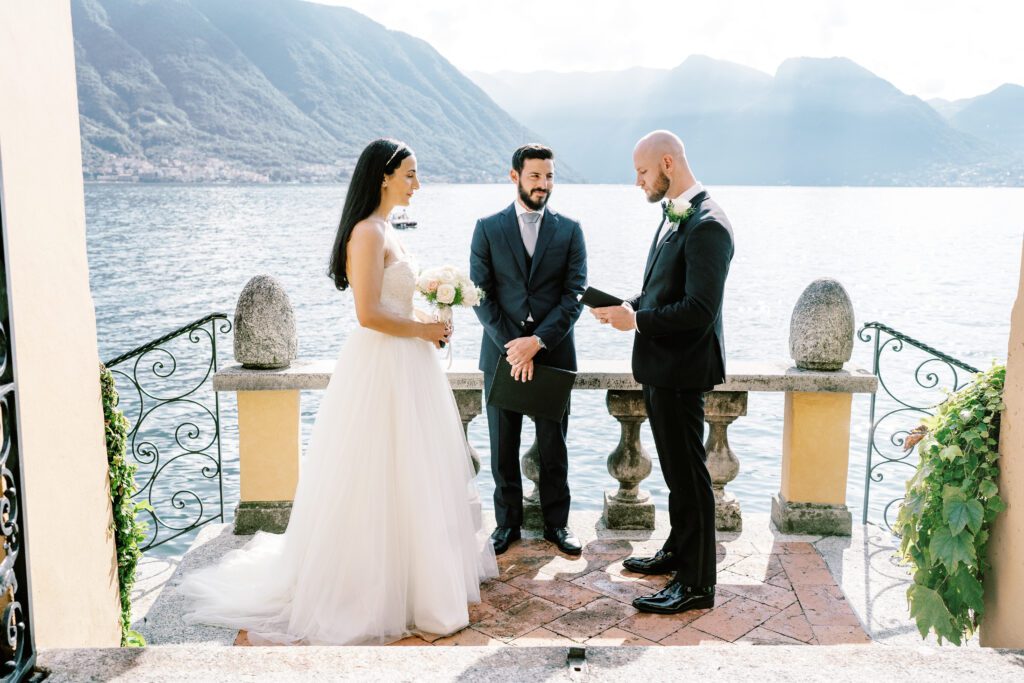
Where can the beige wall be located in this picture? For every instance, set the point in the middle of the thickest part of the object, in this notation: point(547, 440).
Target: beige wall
point(1003, 623)
point(71, 553)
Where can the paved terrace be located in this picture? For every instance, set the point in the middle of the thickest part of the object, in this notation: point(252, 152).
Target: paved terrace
point(799, 594)
point(773, 589)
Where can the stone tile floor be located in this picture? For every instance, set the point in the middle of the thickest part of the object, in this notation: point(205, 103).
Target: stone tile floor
point(778, 595)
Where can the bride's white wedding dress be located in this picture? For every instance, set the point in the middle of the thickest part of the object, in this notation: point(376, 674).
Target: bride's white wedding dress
point(385, 537)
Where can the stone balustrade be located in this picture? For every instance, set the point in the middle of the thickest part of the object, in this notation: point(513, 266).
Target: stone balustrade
point(815, 454)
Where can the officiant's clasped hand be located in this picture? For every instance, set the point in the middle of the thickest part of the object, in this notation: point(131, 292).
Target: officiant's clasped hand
point(520, 353)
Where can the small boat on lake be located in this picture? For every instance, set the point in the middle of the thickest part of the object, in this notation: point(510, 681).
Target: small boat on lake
point(401, 221)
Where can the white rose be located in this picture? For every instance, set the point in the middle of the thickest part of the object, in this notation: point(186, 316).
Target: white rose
point(422, 283)
point(676, 209)
point(449, 276)
point(470, 296)
point(445, 293)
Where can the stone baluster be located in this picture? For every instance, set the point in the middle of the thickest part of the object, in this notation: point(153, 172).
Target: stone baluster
point(720, 410)
point(629, 464)
point(470, 405)
point(533, 517)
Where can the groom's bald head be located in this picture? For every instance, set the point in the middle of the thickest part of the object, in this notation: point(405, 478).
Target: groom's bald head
point(662, 142)
point(661, 167)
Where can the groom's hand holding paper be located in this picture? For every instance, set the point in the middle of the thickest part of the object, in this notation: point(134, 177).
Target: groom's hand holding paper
point(546, 395)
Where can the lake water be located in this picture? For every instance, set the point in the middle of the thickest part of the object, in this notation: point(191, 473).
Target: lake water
point(939, 264)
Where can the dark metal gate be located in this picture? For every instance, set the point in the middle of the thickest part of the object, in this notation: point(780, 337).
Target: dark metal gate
point(166, 391)
point(904, 397)
point(17, 646)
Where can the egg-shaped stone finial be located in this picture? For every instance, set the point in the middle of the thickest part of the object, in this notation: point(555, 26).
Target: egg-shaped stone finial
point(265, 334)
point(821, 328)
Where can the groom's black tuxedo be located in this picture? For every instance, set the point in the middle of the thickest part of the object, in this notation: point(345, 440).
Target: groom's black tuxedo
point(516, 287)
point(678, 354)
point(679, 341)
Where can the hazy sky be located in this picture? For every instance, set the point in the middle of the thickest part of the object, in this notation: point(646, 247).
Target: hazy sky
point(929, 48)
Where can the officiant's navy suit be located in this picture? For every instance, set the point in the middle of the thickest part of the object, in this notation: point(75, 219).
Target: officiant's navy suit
point(517, 287)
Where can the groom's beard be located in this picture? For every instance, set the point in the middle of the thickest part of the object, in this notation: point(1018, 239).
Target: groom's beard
point(537, 199)
point(661, 186)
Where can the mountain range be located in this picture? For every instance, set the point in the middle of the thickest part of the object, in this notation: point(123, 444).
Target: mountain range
point(291, 91)
point(270, 90)
point(815, 122)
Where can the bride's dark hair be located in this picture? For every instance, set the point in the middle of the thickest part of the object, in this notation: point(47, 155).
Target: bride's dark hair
point(380, 158)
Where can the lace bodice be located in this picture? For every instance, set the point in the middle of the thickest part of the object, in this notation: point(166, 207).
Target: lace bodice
point(399, 287)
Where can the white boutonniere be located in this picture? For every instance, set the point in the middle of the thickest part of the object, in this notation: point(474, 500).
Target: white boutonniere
point(677, 211)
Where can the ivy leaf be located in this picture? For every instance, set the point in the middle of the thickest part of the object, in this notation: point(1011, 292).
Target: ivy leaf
point(950, 453)
point(970, 589)
point(952, 549)
point(930, 612)
point(960, 513)
point(988, 488)
point(975, 515)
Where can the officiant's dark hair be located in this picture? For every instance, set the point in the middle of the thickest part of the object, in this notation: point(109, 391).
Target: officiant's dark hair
point(380, 158)
point(533, 150)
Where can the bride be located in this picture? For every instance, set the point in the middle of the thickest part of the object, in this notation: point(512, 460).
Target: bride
point(385, 537)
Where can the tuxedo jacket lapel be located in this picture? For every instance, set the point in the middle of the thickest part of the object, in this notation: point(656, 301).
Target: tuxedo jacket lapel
point(510, 227)
point(653, 250)
point(548, 226)
point(656, 248)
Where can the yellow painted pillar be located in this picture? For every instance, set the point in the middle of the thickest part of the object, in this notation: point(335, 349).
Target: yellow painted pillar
point(815, 458)
point(1003, 623)
point(268, 453)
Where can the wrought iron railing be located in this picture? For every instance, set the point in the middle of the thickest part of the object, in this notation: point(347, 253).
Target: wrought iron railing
point(901, 401)
point(17, 645)
point(175, 435)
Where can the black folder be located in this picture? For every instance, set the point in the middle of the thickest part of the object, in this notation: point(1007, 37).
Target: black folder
point(546, 395)
point(595, 298)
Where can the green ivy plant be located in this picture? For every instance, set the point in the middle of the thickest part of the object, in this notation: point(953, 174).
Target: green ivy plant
point(129, 531)
point(950, 505)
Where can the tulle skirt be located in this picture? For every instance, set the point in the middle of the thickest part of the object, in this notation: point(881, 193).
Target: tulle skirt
point(385, 537)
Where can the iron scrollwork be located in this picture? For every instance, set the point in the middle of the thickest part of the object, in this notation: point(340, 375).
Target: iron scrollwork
point(175, 435)
point(17, 646)
point(902, 401)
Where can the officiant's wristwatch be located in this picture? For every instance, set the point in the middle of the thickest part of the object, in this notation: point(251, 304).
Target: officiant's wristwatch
point(540, 342)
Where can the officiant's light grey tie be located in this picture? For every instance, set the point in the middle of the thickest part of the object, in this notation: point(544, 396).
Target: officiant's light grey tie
point(529, 228)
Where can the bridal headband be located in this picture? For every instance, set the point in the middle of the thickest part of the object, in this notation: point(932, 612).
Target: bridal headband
point(398, 149)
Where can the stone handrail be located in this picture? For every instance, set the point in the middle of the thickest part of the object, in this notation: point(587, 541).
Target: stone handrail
point(269, 393)
point(593, 375)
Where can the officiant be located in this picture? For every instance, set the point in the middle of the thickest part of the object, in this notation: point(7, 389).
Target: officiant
point(531, 264)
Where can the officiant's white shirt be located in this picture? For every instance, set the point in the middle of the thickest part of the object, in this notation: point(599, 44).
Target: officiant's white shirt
point(520, 210)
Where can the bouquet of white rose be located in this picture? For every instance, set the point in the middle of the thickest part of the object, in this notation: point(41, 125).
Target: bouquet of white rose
point(446, 287)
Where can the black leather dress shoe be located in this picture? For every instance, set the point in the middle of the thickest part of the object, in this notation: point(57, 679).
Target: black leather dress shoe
point(502, 537)
point(565, 540)
point(676, 598)
point(663, 562)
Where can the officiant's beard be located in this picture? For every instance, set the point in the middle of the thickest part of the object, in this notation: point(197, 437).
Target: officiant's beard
point(527, 198)
point(660, 188)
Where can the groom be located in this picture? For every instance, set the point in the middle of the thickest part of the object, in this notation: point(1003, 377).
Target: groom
point(678, 355)
point(531, 264)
